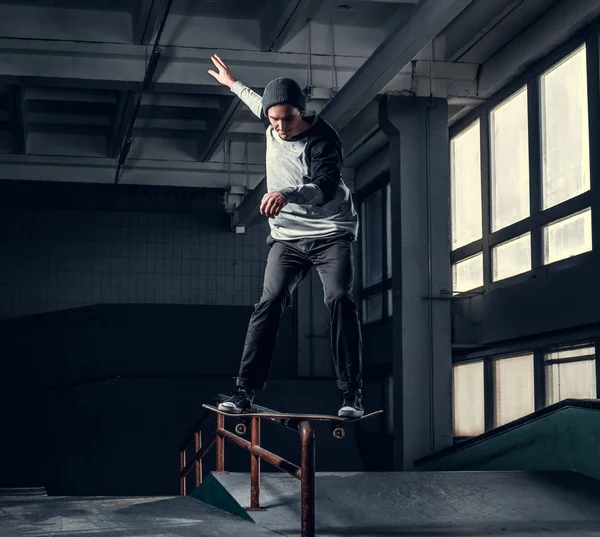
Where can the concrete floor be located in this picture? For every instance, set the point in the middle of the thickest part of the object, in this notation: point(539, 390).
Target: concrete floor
point(407, 504)
point(45, 516)
point(419, 504)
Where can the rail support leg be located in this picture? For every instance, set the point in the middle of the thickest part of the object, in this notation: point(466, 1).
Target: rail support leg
point(307, 438)
point(220, 466)
point(255, 467)
point(198, 463)
point(182, 490)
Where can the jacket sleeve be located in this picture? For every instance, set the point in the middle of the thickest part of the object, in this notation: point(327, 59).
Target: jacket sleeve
point(325, 169)
point(251, 99)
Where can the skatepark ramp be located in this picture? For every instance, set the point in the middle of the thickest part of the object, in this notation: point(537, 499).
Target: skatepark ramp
point(418, 504)
point(560, 437)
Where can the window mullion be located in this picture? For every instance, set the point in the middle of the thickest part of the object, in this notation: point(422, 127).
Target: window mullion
point(485, 195)
point(535, 172)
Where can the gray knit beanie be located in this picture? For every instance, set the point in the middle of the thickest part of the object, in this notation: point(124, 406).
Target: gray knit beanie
point(283, 91)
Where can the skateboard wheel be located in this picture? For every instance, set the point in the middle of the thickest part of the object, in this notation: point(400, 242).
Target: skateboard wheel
point(241, 428)
point(339, 433)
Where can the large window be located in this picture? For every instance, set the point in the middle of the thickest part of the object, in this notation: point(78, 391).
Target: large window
point(493, 391)
point(520, 173)
point(565, 134)
point(509, 167)
point(376, 251)
point(465, 168)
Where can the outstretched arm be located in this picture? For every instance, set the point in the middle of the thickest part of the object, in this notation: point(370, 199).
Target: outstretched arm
point(250, 98)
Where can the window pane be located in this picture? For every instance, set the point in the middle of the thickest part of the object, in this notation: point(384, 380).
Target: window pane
point(575, 380)
point(514, 395)
point(388, 224)
point(573, 352)
point(373, 308)
point(467, 274)
point(568, 237)
point(465, 161)
point(511, 258)
point(510, 161)
point(571, 379)
point(565, 133)
point(372, 240)
point(468, 408)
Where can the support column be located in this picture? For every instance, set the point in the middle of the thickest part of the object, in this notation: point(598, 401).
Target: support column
point(420, 202)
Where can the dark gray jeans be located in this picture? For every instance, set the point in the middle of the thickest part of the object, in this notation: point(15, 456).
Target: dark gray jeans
point(287, 265)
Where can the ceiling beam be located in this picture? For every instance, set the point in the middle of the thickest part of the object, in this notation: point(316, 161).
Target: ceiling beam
point(183, 70)
point(427, 20)
point(553, 28)
point(135, 171)
point(144, 21)
point(282, 20)
point(120, 122)
point(465, 31)
point(123, 66)
point(208, 143)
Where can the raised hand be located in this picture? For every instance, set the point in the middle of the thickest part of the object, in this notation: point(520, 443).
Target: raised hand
point(223, 76)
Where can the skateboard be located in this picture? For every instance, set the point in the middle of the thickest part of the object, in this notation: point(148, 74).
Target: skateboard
point(290, 418)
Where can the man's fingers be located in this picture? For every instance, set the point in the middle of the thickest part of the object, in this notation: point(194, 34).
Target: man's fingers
point(213, 73)
point(221, 62)
point(263, 207)
point(272, 204)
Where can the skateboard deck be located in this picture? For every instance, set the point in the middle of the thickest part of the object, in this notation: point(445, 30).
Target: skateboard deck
point(292, 415)
point(337, 422)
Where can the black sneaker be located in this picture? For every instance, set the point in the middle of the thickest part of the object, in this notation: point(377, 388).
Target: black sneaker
point(238, 402)
point(351, 405)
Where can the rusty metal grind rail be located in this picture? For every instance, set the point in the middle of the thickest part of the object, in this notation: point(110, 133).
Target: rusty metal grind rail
point(305, 472)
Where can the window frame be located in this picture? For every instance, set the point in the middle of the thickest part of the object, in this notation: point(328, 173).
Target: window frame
point(378, 183)
point(538, 217)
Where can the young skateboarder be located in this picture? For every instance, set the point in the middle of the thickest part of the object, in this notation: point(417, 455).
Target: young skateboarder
point(313, 223)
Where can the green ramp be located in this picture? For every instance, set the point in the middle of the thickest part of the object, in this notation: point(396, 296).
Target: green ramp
point(212, 492)
point(560, 437)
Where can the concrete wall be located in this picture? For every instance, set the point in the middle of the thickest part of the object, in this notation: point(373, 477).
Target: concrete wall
point(71, 245)
point(99, 282)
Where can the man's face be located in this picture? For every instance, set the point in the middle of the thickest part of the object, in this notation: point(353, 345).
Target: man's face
point(286, 120)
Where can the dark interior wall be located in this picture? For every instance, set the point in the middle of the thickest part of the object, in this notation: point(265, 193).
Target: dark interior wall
point(558, 299)
point(70, 245)
point(102, 284)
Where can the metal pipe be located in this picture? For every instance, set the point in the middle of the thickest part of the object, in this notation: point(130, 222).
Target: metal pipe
point(182, 490)
point(198, 462)
point(220, 444)
point(255, 466)
point(307, 492)
point(267, 456)
point(203, 451)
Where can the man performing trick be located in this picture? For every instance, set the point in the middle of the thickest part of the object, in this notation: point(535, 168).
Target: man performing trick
point(313, 223)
